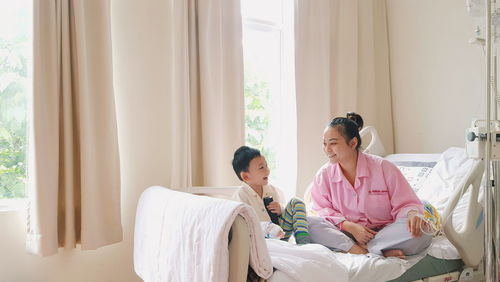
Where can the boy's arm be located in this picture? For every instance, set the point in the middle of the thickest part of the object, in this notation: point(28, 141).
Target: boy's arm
point(279, 198)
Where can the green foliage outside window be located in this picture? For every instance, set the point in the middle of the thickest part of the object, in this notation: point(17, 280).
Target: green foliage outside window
point(257, 114)
point(13, 83)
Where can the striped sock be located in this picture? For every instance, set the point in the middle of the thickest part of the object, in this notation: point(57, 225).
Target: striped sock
point(294, 220)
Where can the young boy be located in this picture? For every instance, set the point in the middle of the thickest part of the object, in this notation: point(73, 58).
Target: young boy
point(251, 168)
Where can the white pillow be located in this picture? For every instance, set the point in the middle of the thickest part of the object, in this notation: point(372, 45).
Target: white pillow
point(415, 172)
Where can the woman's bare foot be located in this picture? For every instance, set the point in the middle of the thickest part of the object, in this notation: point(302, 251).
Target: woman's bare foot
point(357, 249)
point(394, 253)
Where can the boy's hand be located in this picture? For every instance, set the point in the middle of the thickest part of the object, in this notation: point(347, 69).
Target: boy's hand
point(274, 207)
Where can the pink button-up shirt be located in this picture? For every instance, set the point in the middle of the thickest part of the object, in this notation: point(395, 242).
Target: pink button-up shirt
point(379, 196)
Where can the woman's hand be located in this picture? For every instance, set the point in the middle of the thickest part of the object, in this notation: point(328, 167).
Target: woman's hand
point(274, 207)
point(414, 223)
point(361, 233)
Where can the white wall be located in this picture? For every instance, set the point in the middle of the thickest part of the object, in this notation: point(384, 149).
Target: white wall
point(17, 265)
point(436, 75)
point(140, 59)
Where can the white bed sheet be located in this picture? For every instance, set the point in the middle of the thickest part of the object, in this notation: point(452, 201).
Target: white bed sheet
point(311, 262)
point(360, 268)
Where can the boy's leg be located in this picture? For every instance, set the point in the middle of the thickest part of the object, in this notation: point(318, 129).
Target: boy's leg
point(294, 220)
point(396, 236)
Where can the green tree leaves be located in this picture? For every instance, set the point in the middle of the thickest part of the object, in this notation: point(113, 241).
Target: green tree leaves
point(13, 89)
point(257, 113)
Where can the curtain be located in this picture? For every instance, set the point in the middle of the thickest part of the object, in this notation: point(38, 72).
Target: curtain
point(205, 82)
point(342, 64)
point(74, 173)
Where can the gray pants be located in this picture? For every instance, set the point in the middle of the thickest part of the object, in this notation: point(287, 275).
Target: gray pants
point(394, 236)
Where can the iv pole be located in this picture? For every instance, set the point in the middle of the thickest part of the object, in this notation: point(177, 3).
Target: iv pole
point(491, 247)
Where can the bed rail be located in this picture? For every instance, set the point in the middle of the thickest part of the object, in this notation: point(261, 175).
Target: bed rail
point(469, 239)
point(375, 146)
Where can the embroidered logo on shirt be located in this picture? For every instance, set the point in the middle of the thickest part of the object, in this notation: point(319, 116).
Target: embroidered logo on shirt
point(377, 192)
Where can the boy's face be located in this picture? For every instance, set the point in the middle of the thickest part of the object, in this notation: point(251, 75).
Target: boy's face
point(258, 172)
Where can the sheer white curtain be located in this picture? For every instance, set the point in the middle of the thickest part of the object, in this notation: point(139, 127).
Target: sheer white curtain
point(74, 174)
point(342, 64)
point(205, 79)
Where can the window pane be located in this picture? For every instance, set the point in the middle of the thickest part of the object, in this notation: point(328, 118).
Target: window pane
point(262, 83)
point(15, 83)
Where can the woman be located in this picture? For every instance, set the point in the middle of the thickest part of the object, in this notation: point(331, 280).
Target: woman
point(367, 204)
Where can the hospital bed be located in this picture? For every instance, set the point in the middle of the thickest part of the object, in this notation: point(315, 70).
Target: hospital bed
point(450, 181)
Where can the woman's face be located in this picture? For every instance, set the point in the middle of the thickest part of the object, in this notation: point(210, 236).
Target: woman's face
point(336, 147)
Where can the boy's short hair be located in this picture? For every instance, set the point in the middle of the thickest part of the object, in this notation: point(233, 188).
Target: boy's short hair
point(242, 158)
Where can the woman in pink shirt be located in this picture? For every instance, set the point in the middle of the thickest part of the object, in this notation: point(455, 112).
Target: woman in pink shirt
point(366, 203)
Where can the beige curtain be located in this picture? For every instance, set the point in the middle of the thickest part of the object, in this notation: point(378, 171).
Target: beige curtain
point(206, 91)
point(342, 64)
point(74, 194)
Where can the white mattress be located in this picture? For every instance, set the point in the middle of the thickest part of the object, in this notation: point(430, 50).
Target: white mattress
point(446, 173)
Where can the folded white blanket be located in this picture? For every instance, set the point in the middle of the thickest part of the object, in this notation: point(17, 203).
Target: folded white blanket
point(184, 237)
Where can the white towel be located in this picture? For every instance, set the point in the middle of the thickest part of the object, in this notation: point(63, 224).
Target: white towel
point(184, 237)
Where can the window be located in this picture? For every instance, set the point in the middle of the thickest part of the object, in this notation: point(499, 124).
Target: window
point(15, 84)
point(270, 118)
